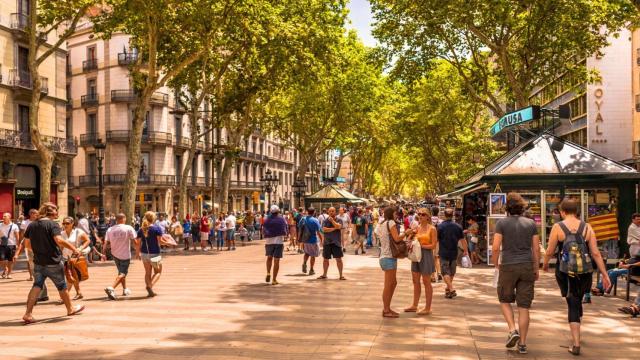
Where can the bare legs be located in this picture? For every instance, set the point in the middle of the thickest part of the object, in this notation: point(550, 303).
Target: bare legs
point(575, 333)
point(325, 266)
point(428, 292)
point(33, 297)
point(448, 279)
point(121, 279)
point(151, 279)
point(390, 283)
point(312, 262)
point(523, 321)
point(276, 266)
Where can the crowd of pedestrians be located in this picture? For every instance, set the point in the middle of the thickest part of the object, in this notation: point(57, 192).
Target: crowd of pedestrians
point(58, 252)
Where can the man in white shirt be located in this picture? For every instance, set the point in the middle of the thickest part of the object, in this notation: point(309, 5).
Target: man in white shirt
point(633, 235)
point(231, 231)
point(9, 235)
point(119, 238)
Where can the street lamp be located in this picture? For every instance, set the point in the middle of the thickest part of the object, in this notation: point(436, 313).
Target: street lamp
point(299, 189)
point(100, 147)
point(270, 183)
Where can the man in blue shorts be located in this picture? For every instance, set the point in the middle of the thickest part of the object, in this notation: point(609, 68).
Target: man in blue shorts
point(308, 234)
point(275, 230)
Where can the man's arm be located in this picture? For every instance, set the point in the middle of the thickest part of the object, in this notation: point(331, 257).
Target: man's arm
point(535, 247)
point(495, 248)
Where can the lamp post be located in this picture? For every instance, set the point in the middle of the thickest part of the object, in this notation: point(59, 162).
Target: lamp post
point(100, 148)
point(270, 184)
point(299, 189)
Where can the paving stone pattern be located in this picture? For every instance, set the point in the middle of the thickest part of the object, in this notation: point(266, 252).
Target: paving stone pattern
point(216, 306)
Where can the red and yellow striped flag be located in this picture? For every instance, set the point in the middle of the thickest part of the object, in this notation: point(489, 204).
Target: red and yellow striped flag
point(605, 226)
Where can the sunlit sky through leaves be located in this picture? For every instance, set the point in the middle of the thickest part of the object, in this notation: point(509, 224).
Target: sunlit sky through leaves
point(361, 20)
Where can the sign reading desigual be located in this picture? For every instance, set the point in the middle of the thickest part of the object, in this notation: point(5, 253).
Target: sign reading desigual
point(515, 118)
point(25, 194)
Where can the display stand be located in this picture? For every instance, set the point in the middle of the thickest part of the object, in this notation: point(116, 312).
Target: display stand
point(497, 202)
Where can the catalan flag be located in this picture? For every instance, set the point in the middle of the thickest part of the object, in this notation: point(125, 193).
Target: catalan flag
point(605, 226)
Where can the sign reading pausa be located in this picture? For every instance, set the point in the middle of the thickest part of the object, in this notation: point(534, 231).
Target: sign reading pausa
point(515, 118)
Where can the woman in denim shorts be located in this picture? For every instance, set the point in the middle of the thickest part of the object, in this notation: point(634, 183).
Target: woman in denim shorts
point(148, 245)
point(387, 232)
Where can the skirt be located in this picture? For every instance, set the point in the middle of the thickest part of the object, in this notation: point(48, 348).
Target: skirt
point(426, 265)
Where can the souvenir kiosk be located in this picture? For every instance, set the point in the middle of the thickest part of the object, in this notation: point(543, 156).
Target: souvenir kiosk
point(331, 195)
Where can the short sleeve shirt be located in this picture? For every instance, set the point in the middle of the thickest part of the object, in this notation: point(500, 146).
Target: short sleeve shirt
point(313, 225)
point(332, 237)
point(359, 222)
point(149, 244)
point(11, 231)
point(120, 237)
point(517, 232)
point(449, 234)
point(41, 234)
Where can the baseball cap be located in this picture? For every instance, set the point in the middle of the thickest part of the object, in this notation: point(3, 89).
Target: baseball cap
point(274, 209)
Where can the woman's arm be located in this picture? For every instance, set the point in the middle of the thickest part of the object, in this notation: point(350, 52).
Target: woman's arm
point(393, 231)
point(551, 246)
point(592, 242)
point(433, 239)
point(84, 238)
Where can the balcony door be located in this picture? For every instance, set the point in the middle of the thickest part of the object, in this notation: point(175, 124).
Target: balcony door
point(23, 124)
point(92, 88)
point(24, 6)
point(178, 128)
point(92, 165)
point(145, 125)
point(194, 170)
point(92, 124)
point(23, 66)
point(91, 53)
point(207, 171)
point(178, 167)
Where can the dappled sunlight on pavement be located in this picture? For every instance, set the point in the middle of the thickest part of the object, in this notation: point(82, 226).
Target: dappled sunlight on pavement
point(216, 306)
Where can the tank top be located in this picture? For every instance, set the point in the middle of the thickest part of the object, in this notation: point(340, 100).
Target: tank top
point(425, 237)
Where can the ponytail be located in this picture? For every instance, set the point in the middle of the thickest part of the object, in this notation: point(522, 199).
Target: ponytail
point(149, 219)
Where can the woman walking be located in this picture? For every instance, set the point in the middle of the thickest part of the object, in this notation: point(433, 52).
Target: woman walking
point(569, 237)
point(387, 232)
point(148, 249)
point(186, 232)
point(81, 241)
point(427, 235)
point(221, 228)
point(195, 231)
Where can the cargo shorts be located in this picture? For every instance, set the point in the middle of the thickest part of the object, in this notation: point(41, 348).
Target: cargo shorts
point(516, 284)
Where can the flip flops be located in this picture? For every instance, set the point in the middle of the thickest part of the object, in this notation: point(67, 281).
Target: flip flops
point(411, 310)
point(29, 321)
point(390, 314)
point(76, 310)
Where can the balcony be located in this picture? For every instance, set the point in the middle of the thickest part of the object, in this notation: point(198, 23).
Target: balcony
point(127, 58)
point(19, 21)
point(151, 137)
point(118, 135)
point(89, 139)
point(252, 156)
point(22, 79)
point(125, 95)
point(159, 99)
point(182, 142)
point(160, 180)
point(22, 140)
point(239, 184)
point(178, 108)
point(88, 180)
point(89, 100)
point(90, 65)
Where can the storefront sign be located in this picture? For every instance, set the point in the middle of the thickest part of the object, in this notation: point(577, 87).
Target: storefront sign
point(598, 94)
point(25, 194)
point(516, 118)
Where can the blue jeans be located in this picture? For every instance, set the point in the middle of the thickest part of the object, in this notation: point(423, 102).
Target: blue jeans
point(613, 275)
point(53, 272)
point(370, 236)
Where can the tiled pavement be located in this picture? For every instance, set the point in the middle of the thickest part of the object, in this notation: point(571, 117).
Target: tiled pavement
point(215, 306)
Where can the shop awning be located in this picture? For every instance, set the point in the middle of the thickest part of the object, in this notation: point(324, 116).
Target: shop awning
point(463, 191)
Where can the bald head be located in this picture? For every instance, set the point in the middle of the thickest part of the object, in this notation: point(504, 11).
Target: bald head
point(332, 211)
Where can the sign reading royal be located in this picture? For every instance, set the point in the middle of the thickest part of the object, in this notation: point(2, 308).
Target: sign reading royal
point(516, 118)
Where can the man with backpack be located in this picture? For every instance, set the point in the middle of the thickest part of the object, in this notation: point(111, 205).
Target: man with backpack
point(308, 235)
point(516, 247)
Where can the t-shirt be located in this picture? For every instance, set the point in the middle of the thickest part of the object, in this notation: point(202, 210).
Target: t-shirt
point(344, 220)
point(322, 218)
point(73, 238)
point(249, 220)
point(45, 249)
point(473, 228)
point(11, 231)
point(231, 222)
point(516, 232)
point(633, 239)
point(204, 225)
point(384, 234)
point(332, 237)
point(164, 225)
point(149, 244)
point(25, 224)
point(120, 237)
point(313, 225)
point(449, 233)
point(359, 221)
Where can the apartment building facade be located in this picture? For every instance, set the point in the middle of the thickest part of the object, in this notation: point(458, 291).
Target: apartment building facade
point(602, 112)
point(19, 161)
point(100, 107)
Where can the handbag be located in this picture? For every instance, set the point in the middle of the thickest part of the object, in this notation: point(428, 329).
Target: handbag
point(399, 250)
point(79, 267)
point(415, 252)
point(178, 231)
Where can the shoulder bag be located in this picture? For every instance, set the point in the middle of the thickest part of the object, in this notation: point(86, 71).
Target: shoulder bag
point(399, 250)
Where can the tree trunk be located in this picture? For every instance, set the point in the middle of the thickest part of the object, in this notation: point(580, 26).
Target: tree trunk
point(193, 135)
point(336, 172)
point(134, 157)
point(226, 178)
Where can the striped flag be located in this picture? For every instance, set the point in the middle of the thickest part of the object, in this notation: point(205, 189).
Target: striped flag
point(605, 226)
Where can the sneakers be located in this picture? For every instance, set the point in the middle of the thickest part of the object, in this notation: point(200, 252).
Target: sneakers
point(304, 268)
point(126, 292)
point(522, 349)
point(513, 339)
point(311, 272)
point(111, 293)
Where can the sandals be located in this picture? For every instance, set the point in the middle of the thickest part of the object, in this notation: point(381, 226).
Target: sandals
point(76, 310)
point(411, 309)
point(424, 312)
point(322, 277)
point(343, 278)
point(29, 321)
point(78, 297)
point(574, 350)
point(390, 314)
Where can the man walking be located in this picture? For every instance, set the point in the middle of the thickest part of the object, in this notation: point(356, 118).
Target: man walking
point(516, 239)
point(633, 235)
point(119, 238)
point(309, 233)
point(43, 238)
point(9, 237)
point(368, 218)
point(361, 229)
point(332, 243)
point(275, 231)
point(231, 231)
point(449, 235)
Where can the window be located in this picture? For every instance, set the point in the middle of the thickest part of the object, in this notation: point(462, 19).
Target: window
point(92, 123)
point(92, 87)
point(91, 52)
point(92, 165)
point(207, 170)
point(23, 122)
point(68, 127)
point(178, 127)
point(24, 6)
point(578, 106)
